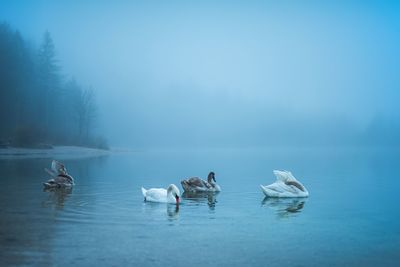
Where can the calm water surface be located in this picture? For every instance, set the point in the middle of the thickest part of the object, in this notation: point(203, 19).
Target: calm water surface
point(351, 217)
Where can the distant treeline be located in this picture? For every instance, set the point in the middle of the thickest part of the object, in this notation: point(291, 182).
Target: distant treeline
point(38, 107)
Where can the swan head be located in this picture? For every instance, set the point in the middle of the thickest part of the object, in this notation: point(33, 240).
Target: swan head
point(172, 189)
point(62, 169)
point(211, 177)
point(58, 167)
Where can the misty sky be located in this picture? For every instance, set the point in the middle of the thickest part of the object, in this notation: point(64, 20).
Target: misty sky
point(185, 73)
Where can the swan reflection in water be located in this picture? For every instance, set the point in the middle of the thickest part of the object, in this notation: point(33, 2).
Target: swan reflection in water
point(173, 211)
point(56, 197)
point(285, 207)
point(157, 210)
point(200, 197)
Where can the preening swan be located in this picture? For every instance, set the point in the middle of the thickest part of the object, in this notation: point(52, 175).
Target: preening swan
point(195, 184)
point(60, 177)
point(169, 195)
point(285, 186)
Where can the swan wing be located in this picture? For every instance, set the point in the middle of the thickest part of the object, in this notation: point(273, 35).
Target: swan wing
point(195, 184)
point(280, 187)
point(286, 185)
point(283, 176)
point(282, 191)
point(156, 195)
point(56, 166)
point(50, 172)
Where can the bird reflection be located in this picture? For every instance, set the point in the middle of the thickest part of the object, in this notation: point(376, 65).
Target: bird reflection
point(284, 207)
point(211, 197)
point(173, 211)
point(57, 197)
point(159, 210)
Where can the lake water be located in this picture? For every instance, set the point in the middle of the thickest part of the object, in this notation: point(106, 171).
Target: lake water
point(350, 219)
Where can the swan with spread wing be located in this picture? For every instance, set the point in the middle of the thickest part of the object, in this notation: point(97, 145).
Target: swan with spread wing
point(60, 177)
point(286, 185)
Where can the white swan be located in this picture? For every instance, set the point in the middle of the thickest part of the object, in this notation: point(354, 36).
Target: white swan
point(195, 184)
point(169, 195)
point(60, 177)
point(285, 186)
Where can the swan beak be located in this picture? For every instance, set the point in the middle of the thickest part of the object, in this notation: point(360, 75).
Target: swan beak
point(177, 199)
point(214, 179)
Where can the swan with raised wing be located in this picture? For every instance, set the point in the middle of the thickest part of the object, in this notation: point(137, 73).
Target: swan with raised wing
point(286, 185)
point(60, 177)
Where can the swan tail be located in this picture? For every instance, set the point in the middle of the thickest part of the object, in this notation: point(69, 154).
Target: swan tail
point(263, 189)
point(144, 191)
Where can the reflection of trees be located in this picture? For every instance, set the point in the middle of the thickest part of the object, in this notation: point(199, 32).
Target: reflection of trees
point(210, 197)
point(287, 207)
point(57, 197)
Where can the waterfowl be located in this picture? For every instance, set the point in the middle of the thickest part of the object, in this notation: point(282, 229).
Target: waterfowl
point(169, 195)
point(195, 184)
point(285, 186)
point(60, 177)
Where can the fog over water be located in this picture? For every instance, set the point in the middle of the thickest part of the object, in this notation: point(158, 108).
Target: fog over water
point(145, 94)
point(173, 74)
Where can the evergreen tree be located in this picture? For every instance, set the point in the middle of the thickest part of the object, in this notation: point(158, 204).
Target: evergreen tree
point(49, 82)
point(35, 107)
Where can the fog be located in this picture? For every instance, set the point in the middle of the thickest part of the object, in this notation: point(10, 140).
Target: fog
point(177, 74)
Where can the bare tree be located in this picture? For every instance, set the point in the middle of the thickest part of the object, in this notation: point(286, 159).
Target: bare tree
point(86, 112)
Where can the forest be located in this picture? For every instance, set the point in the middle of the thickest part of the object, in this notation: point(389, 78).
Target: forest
point(39, 106)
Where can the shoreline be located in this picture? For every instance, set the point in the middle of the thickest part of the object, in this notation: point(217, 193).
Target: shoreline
point(57, 152)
